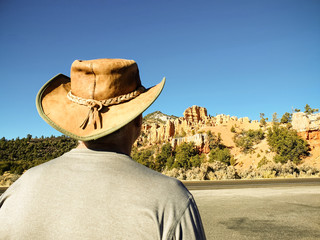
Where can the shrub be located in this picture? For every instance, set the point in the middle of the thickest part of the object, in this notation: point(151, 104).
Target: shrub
point(184, 152)
point(163, 157)
point(286, 144)
point(262, 162)
point(262, 120)
point(183, 133)
point(214, 141)
point(309, 110)
point(195, 161)
point(180, 134)
point(5, 166)
point(221, 155)
point(144, 157)
point(286, 118)
point(219, 171)
point(246, 139)
point(275, 118)
point(169, 163)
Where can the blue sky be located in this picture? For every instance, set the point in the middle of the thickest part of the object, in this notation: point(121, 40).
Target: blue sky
point(237, 57)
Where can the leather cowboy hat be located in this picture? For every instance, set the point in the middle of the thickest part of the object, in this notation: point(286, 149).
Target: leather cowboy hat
point(100, 97)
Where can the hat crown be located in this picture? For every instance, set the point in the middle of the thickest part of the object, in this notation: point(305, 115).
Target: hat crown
point(102, 79)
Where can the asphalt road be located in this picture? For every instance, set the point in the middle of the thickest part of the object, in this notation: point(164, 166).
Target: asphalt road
point(256, 183)
point(273, 211)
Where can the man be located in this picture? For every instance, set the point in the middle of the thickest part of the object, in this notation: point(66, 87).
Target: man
point(97, 191)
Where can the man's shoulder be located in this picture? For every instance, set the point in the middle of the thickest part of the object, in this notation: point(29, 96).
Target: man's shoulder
point(166, 188)
point(108, 167)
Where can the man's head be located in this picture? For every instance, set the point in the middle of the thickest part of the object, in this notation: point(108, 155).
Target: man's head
point(119, 141)
point(102, 96)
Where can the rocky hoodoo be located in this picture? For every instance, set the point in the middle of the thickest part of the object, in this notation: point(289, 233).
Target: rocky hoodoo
point(191, 127)
point(195, 114)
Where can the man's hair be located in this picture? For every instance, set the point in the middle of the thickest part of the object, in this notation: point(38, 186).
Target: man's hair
point(115, 136)
point(106, 139)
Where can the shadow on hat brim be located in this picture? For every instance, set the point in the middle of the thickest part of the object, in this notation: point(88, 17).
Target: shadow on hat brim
point(66, 116)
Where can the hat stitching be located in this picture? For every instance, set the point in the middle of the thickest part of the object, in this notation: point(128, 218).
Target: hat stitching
point(94, 81)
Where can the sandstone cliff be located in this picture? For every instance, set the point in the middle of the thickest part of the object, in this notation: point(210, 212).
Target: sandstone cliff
point(191, 127)
point(307, 125)
point(195, 124)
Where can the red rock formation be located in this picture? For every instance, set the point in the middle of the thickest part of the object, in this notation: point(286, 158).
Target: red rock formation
point(307, 125)
point(314, 135)
point(195, 119)
point(195, 114)
point(170, 129)
point(310, 135)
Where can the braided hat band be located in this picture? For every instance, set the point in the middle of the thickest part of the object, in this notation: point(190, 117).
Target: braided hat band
point(96, 105)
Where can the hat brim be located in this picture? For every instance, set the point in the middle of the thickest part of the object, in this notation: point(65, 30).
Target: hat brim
point(66, 116)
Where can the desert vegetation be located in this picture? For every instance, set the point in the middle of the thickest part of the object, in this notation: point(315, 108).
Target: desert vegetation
point(220, 171)
point(184, 156)
point(271, 149)
point(18, 155)
point(218, 151)
point(287, 145)
point(245, 140)
point(187, 163)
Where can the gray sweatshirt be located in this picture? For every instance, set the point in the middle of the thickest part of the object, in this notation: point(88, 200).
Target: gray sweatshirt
point(88, 194)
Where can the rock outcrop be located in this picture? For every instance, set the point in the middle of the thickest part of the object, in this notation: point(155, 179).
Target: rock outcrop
point(198, 139)
point(190, 127)
point(195, 114)
point(195, 124)
point(305, 122)
point(307, 125)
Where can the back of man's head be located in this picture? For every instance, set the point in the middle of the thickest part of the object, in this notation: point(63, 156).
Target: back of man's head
point(118, 141)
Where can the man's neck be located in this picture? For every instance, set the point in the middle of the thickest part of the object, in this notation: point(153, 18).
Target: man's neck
point(106, 147)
